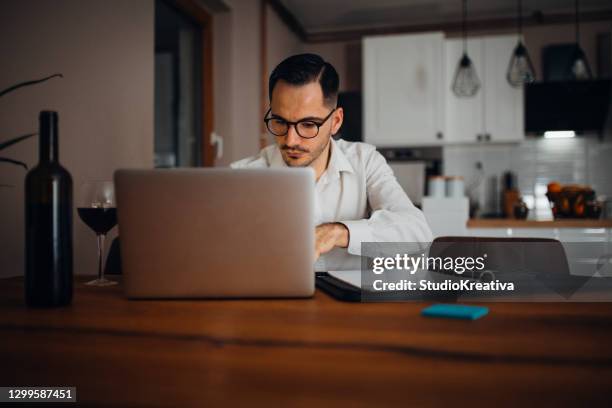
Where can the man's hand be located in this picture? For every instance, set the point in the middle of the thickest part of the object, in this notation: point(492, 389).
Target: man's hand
point(330, 235)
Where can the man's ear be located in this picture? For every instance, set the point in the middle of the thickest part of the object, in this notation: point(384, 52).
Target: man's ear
point(337, 120)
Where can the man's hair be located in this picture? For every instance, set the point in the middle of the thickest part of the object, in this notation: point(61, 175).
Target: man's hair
point(303, 69)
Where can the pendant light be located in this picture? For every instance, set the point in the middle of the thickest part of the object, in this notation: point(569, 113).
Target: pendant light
point(579, 66)
point(520, 68)
point(465, 82)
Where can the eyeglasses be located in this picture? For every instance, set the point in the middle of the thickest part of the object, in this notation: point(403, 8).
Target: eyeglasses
point(305, 128)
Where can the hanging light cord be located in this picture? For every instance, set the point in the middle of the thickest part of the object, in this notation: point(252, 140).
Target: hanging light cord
point(577, 24)
point(464, 26)
point(520, 18)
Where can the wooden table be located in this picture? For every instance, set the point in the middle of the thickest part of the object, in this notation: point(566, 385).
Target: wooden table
point(310, 352)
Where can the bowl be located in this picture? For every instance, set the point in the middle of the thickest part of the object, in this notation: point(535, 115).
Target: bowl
point(570, 201)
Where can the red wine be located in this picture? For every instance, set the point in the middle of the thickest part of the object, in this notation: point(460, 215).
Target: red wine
point(48, 219)
point(101, 220)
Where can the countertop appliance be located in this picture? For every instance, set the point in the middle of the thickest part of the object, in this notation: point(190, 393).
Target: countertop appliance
point(430, 157)
point(411, 176)
point(446, 216)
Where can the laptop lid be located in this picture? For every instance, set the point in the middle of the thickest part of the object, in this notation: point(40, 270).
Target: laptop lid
point(190, 233)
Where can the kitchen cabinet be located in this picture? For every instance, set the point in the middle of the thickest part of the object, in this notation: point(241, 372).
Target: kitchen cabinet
point(403, 92)
point(495, 113)
point(408, 99)
point(464, 116)
point(503, 104)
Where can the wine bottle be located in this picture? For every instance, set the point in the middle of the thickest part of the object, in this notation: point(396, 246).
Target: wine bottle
point(48, 219)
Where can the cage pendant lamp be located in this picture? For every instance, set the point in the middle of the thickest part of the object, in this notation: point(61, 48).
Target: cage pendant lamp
point(579, 66)
point(465, 81)
point(520, 68)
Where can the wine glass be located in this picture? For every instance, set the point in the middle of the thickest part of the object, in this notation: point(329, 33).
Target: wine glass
point(96, 208)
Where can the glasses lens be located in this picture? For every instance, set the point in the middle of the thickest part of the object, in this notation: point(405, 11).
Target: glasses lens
point(307, 129)
point(277, 126)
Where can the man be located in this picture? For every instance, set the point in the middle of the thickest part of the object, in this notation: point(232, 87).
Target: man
point(358, 198)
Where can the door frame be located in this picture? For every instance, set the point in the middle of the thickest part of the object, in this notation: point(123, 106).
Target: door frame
point(204, 18)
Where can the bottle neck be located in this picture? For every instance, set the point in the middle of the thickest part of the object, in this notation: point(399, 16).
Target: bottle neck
point(48, 148)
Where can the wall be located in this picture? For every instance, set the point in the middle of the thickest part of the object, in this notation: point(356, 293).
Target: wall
point(345, 57)
point(237, 78)
point(222, 82)
point(105, 101)
point(281, 41)
point(536, 162)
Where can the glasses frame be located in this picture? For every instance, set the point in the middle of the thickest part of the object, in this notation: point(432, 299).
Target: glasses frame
point(294, 124)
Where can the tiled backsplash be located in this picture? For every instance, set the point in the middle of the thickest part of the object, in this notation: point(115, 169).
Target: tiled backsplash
point(535, 162)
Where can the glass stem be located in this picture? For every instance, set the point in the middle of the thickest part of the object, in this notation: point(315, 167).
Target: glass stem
point(100, 254)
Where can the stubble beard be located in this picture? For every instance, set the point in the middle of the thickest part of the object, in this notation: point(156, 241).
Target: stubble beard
point(313, 156)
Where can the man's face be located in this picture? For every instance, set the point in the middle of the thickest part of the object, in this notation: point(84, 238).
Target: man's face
point(293, 103)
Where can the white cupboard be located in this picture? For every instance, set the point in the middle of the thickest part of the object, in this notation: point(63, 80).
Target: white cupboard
point(495, 113)
point(503, 104)
point(464, 119)
point(407, 96)
point(403, 95)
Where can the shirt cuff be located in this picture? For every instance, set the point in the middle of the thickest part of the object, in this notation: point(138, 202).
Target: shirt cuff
point(359, 231)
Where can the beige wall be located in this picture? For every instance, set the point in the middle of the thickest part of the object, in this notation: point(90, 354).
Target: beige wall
point(222, 81)
point(237, 76)
point(281, 42)
point(105, 102)
point(345, 57)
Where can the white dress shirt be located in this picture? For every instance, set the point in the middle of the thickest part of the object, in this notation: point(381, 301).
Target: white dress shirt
point(359, 190)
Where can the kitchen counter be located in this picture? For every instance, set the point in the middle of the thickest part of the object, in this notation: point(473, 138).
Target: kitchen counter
point(515, 223)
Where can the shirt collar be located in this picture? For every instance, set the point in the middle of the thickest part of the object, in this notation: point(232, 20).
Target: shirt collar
point(337, 162)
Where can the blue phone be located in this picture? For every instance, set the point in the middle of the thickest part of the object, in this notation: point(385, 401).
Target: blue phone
point(455, 311)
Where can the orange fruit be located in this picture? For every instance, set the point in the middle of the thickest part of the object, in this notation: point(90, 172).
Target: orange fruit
point(554, 187)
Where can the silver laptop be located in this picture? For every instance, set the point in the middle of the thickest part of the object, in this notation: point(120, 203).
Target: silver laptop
point(200, 233)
